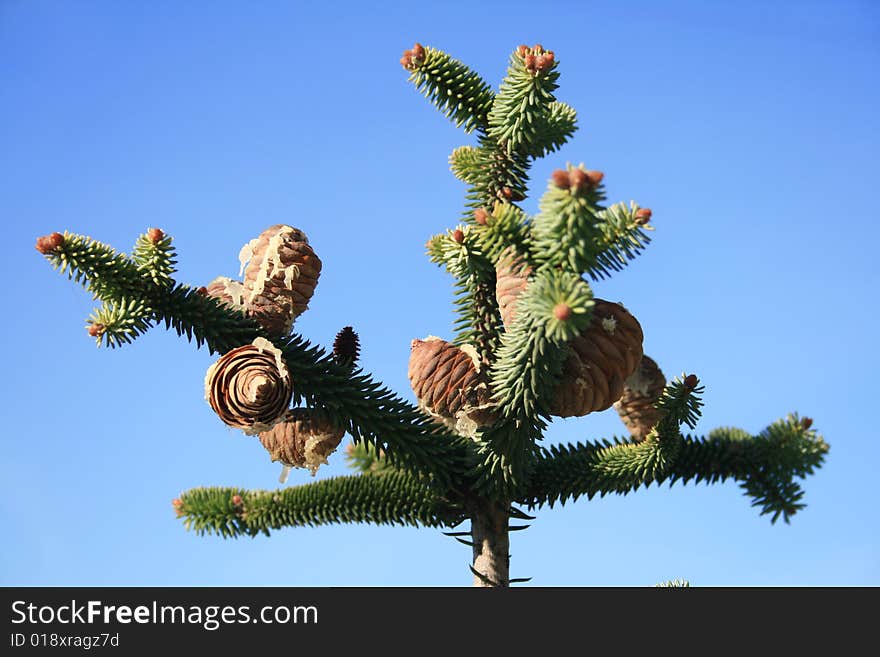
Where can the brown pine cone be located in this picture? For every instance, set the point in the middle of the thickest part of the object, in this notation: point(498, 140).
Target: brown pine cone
point(511, 278)
point(640, 391)
point(304, 438)
point(229, 292)
point(449, 385)
point(280, 275)
point(250, 387)
point(601, 358)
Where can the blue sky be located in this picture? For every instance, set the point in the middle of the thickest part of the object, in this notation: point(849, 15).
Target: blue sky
point(750, 129)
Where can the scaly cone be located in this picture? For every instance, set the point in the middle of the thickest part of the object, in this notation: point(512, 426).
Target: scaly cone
point(601, 359)
point(249, 387)
point(640, 392)
point(281, 272)
point(450, 386)
point(303, 438)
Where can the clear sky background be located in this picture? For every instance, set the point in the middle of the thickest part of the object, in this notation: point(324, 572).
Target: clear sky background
point(750, 128)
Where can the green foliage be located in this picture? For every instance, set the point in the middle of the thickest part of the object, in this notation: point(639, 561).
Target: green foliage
point(414, 471)
point(121, 321)
point(99, 268)
point(458, 92)
point(766, 465)
point(392, 498)
point(155, 258)
point(521, 106)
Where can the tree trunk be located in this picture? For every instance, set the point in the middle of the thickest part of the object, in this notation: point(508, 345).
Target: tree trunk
point(489, 534)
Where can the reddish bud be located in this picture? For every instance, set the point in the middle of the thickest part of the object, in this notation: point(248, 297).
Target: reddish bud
point(202, 291)
point(49, 243)
point(96, 329)
point(522, 50)
point(544, 61)
point(806, 423)
point(643, 216)
point(561, 179)
point(538, 48)
point(595, 177)
point(178, 506)
point(155, 235)
point(691, 381)
point(458, 235)
point(349, 449)
point(562, 311)
point(236, 500)
point(577, 179)
point(481, 216)
point(406, 60)
point(418, 51)
point(530, 61)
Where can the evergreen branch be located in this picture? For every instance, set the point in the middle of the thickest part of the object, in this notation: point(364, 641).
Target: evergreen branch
point(98, 267)
point(457, 91)
point(477, 318)
point(553, 128)
point(373, 414)
point(495, 175)
point(525, 95)
point(621, 237)
point(366, 459)
point(119, 322)
point(766, 465)
point(154, 255)
point(506, 226)
point(204, 319)
point(525, 374)
point(389, 499)
point(674, 584)
point(467, 164)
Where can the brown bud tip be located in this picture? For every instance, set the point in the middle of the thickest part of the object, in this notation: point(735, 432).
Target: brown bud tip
point(418, 51)
point(155, 235)
point(691, 381)
point(236, 500)
point(538, 48)
point(177, 503)
point(530, 62)
point(807, 422)
point(458, 235)
point(406, 60)
point(562, 311)
point(577, 179)
point(48, 243)
point(522, 50)
point(96, 329)
point(643, 216)
point(561, 179)
point(202, 291)
point(544, 61)
point(595, 177)
point(481, 216)
point(349, 449)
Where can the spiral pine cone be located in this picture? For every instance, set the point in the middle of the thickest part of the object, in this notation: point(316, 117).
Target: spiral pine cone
point(304, 438)
point(601, 359)
point(449, 385)
point(511, 278)
point(249, 387)
point(280, 275)
point(640, 391)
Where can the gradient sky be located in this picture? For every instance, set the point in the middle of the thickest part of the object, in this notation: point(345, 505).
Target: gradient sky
point(750, 128)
